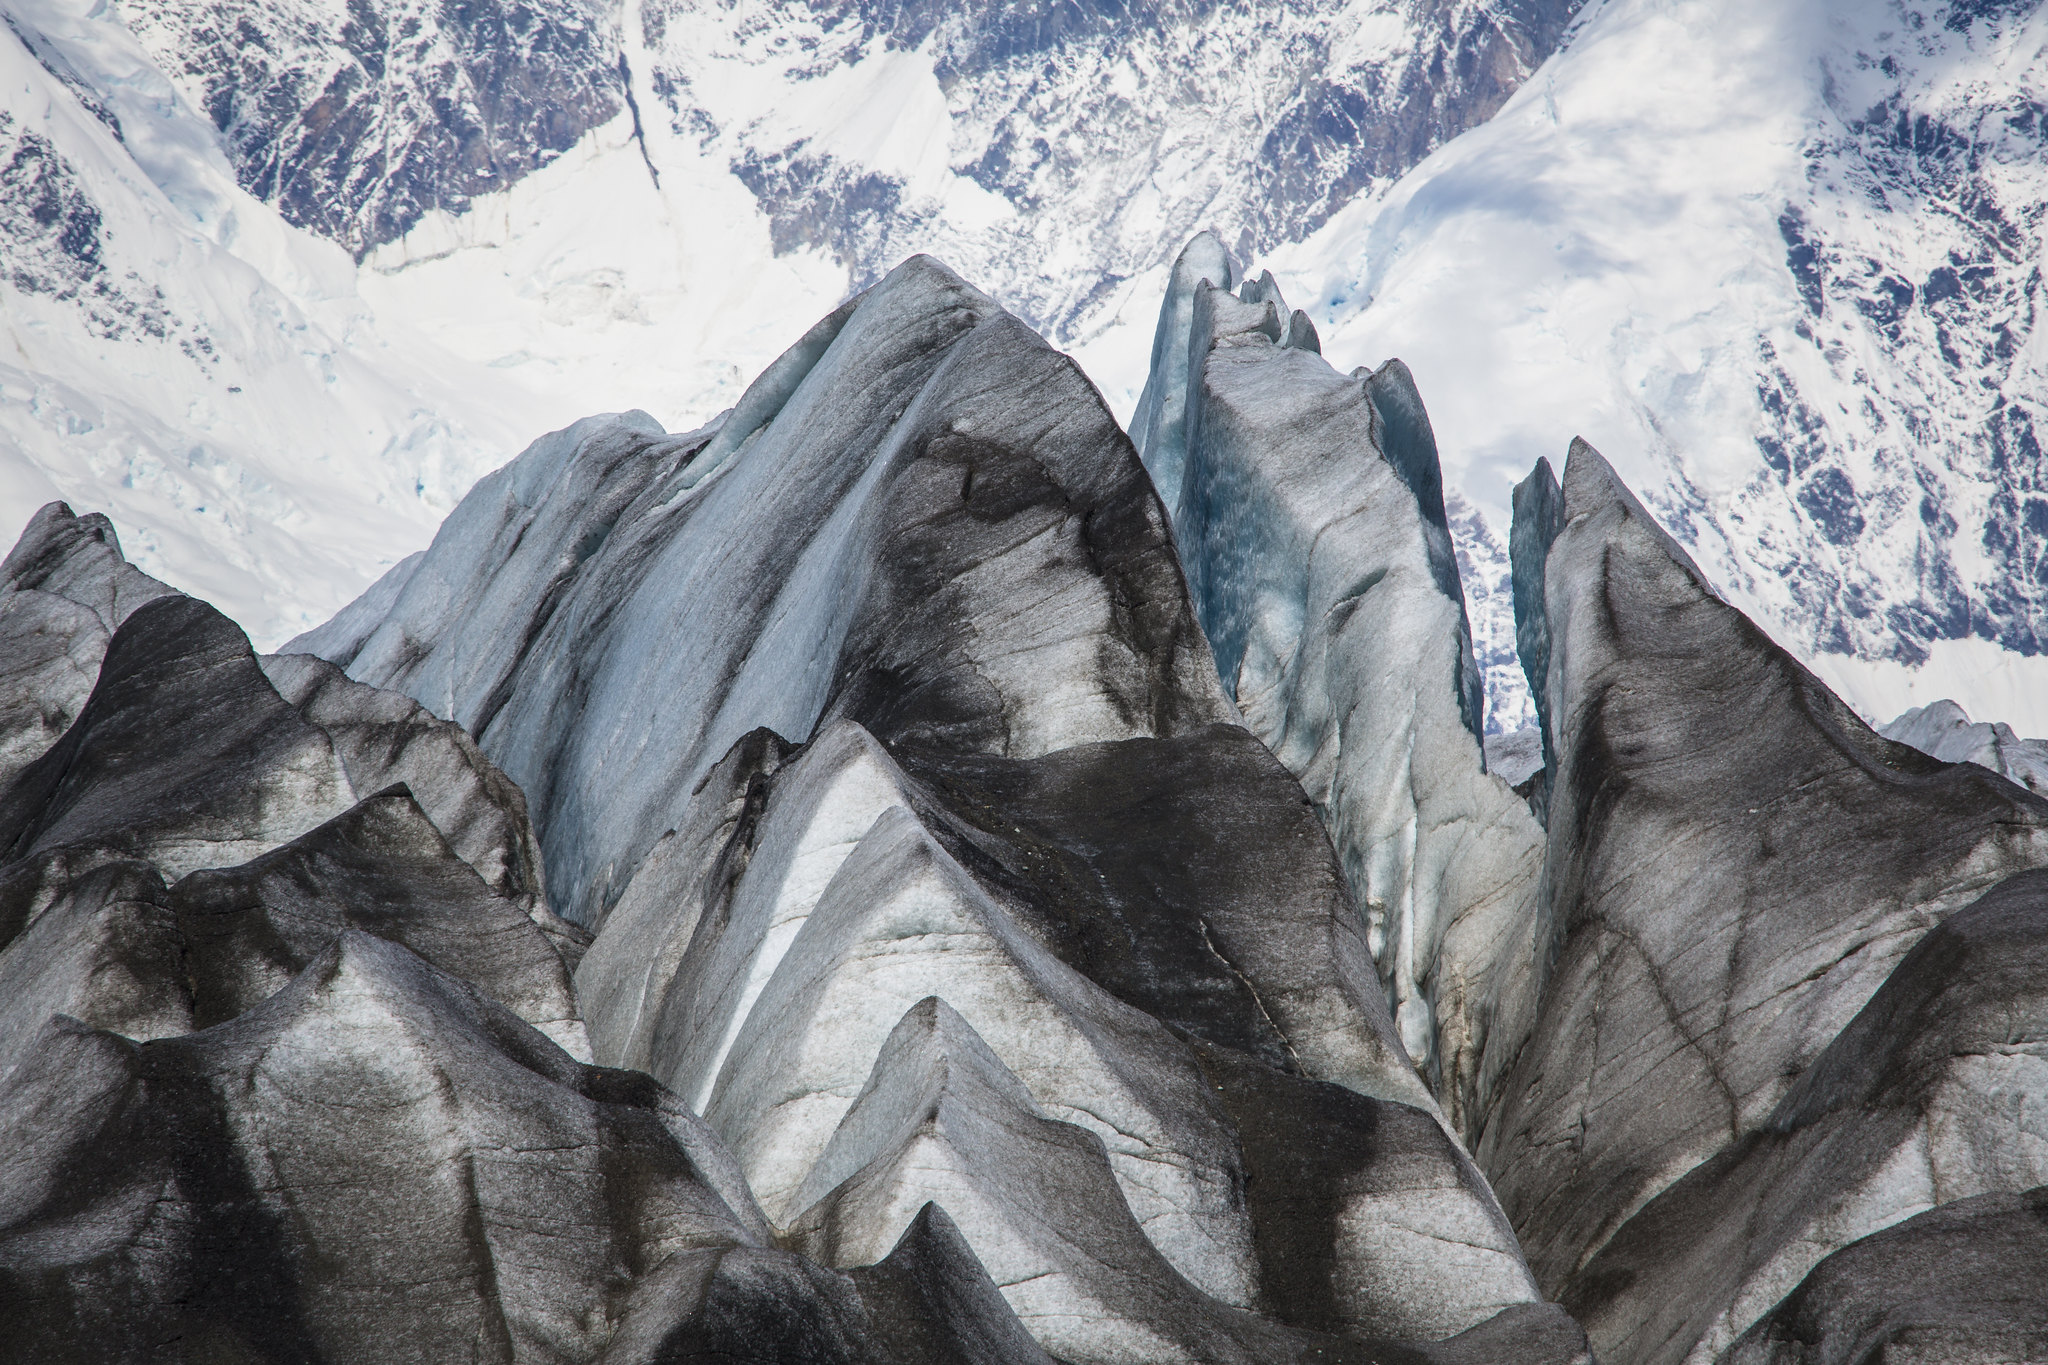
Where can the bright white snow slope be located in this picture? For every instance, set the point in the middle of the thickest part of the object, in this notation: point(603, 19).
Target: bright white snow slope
point(1783, 265)
point(175, 356)
point(271, 426)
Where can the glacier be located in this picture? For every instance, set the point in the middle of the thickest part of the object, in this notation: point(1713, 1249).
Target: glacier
point(953, 853)
point(1775, 352)
point(1309, 517)
point(814, 887)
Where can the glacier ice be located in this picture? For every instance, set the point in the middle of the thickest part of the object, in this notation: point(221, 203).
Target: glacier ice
point(886, 688)
point(1945, 731)
point(972, 983)
point(329, 1099)
point(1311, 524)
point(240, 1183)
point(1957, 1282)
point(1740, 882)
point(1933, 1093)
point(64, 589)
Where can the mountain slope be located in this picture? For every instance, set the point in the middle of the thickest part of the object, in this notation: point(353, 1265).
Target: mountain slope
point(173, 353)
point(1793, 284)
point(1783, 264)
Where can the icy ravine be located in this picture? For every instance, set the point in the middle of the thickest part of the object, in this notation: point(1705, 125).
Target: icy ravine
point(1792, 283)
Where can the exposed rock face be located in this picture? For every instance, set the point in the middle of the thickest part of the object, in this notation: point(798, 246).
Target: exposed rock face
point(874, 733)
point(1309, 514)
point(1768, 1031)
point(357, 123)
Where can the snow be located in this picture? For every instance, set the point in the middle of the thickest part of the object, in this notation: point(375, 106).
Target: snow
point(270, 426)
point(267, 449)
point(1606, 257)
point(1613, 256)
point(1989, 681)
point(595, 290)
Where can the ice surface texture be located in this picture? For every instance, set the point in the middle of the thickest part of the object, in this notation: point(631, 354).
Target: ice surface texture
point(1746, 1030)
point(873, 732)
point(1769, 1025)
point(982, 987)
point(1310, 519)
point(332, 1102)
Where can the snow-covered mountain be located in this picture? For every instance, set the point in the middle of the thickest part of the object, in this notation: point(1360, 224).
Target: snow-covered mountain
point(1783, 265)
point(1064, 149)
point(486, 220)
point(174, 354)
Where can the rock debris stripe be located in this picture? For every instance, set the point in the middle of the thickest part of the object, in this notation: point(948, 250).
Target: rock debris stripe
point(1734, 865)
point(889, 687)
point(1912, 1105)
